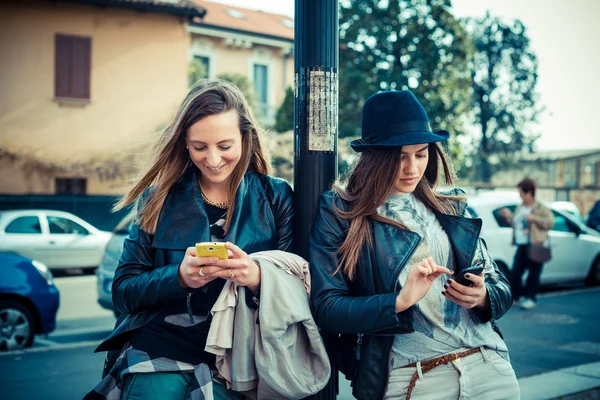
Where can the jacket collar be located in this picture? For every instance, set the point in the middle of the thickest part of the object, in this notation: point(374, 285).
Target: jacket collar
point(183, 220)
point(394, 246)
point(463, 234)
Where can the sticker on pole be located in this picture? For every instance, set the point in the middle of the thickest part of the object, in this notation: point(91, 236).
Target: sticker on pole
point(322, 110)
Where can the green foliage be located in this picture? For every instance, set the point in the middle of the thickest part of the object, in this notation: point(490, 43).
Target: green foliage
point(284, 120)
point(196, 71)
point(504, 77)
point(242, 82)
point(404, 44)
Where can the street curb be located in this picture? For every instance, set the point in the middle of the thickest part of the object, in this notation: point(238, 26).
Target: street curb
point(560, 382)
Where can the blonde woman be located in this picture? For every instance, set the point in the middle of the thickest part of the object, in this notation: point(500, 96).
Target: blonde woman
point(400, 272)
point(208, 181)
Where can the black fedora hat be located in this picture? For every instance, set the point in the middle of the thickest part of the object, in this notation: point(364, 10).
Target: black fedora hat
point(395, 118)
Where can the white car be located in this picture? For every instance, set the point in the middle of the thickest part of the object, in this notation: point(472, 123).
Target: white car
point(575, 247)
point(58, 239)
point(569, 207)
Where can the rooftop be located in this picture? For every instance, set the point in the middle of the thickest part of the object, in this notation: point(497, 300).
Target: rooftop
point(246, 20)
point(184, 8)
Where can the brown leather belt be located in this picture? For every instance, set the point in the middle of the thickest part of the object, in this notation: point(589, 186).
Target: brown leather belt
point(428, 365)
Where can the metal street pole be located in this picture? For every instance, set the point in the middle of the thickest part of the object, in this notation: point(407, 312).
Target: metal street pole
point(316, 61)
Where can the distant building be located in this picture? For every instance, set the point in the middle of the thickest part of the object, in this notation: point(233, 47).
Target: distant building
point(253, 43)
point(85, 83)
point(569, 175)
point(80, 78)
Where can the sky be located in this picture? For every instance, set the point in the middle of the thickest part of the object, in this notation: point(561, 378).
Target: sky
point(564, 35)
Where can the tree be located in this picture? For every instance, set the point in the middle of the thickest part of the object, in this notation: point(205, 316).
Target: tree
point(196, 71)
point(504, 77)
point(284, 120)
point(404, 44)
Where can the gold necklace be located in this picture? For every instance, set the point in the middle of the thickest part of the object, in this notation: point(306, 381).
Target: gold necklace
point(223, 205)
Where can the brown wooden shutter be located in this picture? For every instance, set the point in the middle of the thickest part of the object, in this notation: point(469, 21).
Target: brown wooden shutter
point(73, 65)
point(63, 72)
point(81, 68)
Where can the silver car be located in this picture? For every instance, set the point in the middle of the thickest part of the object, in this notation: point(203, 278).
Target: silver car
point(575, 247)
point(58, 239)
point(110, 261)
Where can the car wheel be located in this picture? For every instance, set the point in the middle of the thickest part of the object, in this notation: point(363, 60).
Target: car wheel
point(16, 324)
point(594, 275)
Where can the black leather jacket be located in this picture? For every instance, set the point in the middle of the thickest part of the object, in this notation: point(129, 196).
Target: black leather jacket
point(363, 310)
point(146, 280)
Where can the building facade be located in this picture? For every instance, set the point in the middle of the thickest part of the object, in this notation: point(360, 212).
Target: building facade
point(81, 80)
point(572, 175)
point(259, 45)
point(87, 84)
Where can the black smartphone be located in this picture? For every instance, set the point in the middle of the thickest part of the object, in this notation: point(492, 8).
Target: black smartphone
point(475, 270)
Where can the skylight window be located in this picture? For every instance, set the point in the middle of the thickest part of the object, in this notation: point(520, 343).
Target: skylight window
point(235, 14)
point(288, 22)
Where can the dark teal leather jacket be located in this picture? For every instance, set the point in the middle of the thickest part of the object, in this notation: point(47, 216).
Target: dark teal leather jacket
point(146, 280)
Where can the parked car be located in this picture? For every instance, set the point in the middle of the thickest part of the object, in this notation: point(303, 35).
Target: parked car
point(568, 207)
point(593, 218)
point(56, 238)
point(110, 261)
point(575, 247)
point(28, 301)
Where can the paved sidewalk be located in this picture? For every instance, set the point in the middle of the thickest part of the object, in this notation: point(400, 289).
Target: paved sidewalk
point(579, 382)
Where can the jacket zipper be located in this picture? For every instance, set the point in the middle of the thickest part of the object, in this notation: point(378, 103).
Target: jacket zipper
point(189, 307)
point(357, 347)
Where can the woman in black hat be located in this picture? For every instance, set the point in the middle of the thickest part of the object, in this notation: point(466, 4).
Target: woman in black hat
point(387, 255)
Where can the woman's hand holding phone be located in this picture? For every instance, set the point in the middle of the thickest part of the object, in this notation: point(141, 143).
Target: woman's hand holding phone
point(192, 265)
point(420, 278)
point(468, 296)
point(239, 268)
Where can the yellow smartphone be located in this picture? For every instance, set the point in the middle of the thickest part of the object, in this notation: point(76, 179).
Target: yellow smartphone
point(212, 249)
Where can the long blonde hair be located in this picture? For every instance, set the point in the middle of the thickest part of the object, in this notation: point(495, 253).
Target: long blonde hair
point(371, 183)
point(170, 158)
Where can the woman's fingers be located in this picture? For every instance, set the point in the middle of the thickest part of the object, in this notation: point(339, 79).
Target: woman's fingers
point(236, 251)
point(478, 280)
point(200, 261)
point(210, 270)
point(453, 299)
point(443, 270)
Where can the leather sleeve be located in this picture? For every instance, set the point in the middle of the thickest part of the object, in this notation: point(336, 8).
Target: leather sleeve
point(498, 289)
point(334, 308)
point(284, 210)
point(138, 285)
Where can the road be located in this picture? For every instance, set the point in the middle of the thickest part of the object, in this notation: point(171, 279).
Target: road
point(561, 332)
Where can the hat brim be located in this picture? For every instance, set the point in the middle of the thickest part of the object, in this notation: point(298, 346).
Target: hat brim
point(405, 139)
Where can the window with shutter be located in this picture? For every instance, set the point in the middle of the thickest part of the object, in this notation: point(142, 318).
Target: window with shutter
point(71, 186)
point(73, 64)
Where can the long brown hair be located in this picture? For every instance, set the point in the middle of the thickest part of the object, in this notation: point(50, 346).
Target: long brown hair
point(371, 183)
point(170, 158)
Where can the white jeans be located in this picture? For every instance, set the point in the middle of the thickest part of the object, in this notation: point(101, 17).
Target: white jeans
point(484, 375)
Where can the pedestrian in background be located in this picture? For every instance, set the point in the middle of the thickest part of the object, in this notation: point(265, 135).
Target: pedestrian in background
point(531, 222)
point(208, 181)
point(383, 249)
